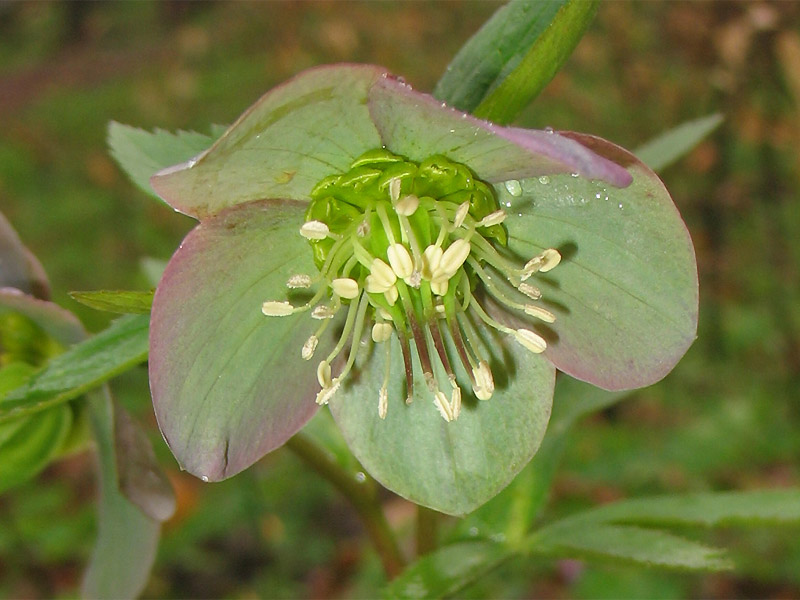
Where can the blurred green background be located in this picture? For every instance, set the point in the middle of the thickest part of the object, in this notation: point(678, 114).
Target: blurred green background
point(726, 418)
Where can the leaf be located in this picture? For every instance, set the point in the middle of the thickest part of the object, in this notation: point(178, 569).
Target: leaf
point(625, 294)
point(142, 153)
point(81, 368)
point(450, 467)
point(672, 145)
point(309, 127)
point(126, 537)
point(631, 545)
point(539, 65)
point(417, 126)
point(117, 301)
point(228, 383)
point(54, 321)
point(708, 509)
point(448, 570)
point(19, 268)
point(495, 51)
point(29, 443)
point(141, 480)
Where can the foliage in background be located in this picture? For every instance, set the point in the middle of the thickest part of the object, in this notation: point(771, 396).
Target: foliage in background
point(694, 445)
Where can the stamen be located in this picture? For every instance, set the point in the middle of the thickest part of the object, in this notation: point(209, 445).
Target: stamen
point(550, 259)
point(383, 402)
point(324, 374)
point(484, 382)
point(540, 313)
point(530, 291)
point(391, 295)
point(323, 312)
point(455, 402)
point(461, 214)
point(394, 189)
point(530, 340)
point(407, 205)
point(345, 287)
point(274, 308)
point(299, 281)
point(314, 230)
point(430, 261)
point(443, 404)
point(400, 260)
point(439, 287)
point(381, 332)
point(452, 259)
point(383, 274)
point(325, 394)
point(494, 218)
point(309, 347)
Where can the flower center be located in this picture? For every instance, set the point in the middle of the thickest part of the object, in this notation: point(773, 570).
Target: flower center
point(402, 247)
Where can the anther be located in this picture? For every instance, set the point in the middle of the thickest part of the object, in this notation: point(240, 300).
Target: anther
point(407, 205)
point(452, 259)
point(299, 281)
point(322, 312)
point(383, 402)
point(540, 313)
point(325, 394)
point(345, 287)
point(443, 404)
point(391, 295)
point(273, 308)
point(530, 291)
point(461, 214)
point(455, 402)
point(484, 382)
point(309, 347)
point(494, 218)
point(400, 260)
point(431, 258)
point(381, 332)
point(324, 374)
point(314, 230)
point(530, 340)
point(440, 286)
point(382, 273)
point(394, 189)
point(550, 259)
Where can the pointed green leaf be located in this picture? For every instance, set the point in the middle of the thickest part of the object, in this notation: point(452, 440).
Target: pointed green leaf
point(631, 545)
point(494, 52)
point(448, 570)
point(126, 537)
point(229, 383)
point(417, 126)
point(625, 294)
point(299, 132)
point(142, 153)
point(117, 301)
point(19, 268)
point(540, 63)
point(450, 467)
point(29, 443)
point(667, 148)
point(81, 368)
point(709, 509)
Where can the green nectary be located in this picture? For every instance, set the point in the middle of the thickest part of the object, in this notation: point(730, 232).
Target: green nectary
point(403, 246)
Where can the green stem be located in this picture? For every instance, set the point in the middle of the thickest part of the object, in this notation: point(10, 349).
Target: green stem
point(361, 495)
point(427, 530)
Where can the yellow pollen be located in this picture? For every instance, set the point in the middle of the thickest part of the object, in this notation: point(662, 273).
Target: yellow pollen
point(345, 287)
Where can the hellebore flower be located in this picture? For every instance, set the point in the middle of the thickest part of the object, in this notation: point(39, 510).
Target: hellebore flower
point(421, 271)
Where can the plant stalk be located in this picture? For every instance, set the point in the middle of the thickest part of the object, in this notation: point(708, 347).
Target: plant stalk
point(361, 495)
point(427, 530)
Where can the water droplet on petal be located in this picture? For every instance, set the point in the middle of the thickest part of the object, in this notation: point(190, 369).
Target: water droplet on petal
point(548, 130)
point(544, 180)
point(514, 187)
point(361, 477)
point(473, 531)
point(204, 478)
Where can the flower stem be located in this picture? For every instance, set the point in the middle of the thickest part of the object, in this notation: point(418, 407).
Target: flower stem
point(361, 495)
point(427, 530)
